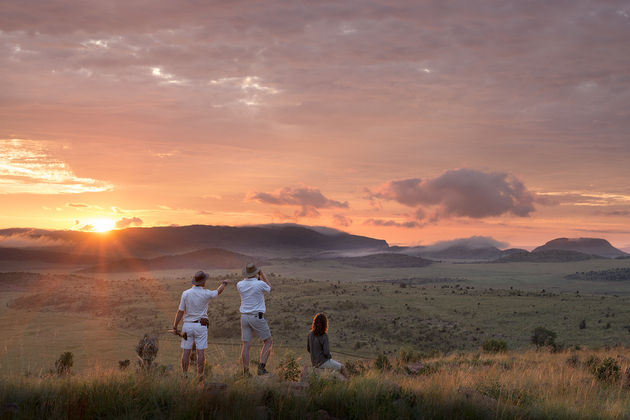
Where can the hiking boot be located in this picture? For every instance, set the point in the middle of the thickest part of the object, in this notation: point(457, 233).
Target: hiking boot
point(262, 370)
point(246, 374)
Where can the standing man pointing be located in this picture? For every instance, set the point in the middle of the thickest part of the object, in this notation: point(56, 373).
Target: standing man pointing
point(252, 289)
point(193, 307)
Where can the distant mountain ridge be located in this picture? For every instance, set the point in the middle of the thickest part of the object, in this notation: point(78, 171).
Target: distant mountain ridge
point(202, 259)
point(589, 246)
point(156, 241)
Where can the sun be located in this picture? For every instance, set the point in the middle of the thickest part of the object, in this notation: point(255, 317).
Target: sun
point(103, 225)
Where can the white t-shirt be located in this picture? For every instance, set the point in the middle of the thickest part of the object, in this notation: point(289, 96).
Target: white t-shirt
point(252, 297)
point(194, 303)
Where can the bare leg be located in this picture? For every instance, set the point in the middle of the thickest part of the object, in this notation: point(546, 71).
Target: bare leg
point(201, 362)
point(344, 372)
point(185, 360)
point(266, 350)
point(245, 355)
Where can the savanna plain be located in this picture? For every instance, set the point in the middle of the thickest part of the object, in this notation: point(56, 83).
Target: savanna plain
point(470, 340)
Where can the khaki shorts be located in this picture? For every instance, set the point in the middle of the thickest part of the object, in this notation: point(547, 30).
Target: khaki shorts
point(252, 324)
point(197, 334)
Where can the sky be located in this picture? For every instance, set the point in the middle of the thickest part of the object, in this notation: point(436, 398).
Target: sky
point(409, 121)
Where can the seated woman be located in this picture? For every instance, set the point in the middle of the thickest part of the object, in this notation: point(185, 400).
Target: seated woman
point(317, 345)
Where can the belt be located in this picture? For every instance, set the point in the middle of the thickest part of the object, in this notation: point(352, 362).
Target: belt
point(258, 314)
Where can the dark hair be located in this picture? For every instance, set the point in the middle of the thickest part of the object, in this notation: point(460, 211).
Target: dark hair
point(320, 324)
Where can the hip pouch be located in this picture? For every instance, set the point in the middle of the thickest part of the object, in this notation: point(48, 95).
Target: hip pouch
point(204, 322)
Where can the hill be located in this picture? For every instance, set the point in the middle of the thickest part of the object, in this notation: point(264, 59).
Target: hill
point(51, 257)
point(592, 246)
point(155, 241)
point(203, 259)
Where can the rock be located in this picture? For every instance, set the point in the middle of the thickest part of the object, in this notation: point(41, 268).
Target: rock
point(307, 372)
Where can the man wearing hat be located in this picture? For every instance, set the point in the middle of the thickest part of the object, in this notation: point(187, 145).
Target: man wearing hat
point(252, 289)
point(193, 307)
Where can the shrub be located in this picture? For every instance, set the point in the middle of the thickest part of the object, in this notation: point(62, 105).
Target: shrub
point(357, 367)
point(608, 370)
point(289, 369)
point(382, 362)
point(147, 349)
point(582, 324)
point(543, 337)
point(573, 360)
point(408, 355)
point(123, 364)
point(494, 346)
point(64, 363)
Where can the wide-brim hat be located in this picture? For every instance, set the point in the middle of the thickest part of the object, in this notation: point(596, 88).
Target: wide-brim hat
point(199, 278)
point(250, 270)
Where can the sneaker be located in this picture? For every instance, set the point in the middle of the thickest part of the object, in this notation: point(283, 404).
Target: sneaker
point(262, 371)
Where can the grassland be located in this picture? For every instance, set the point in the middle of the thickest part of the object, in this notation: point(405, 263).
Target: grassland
point(442, 307)
point(441, 313)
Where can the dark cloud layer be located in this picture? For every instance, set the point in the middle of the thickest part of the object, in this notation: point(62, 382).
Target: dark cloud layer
point(308, 198)
point(461, 193)
point(392, 223)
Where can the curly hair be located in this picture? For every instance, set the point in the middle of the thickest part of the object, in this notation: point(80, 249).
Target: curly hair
point(320, 324)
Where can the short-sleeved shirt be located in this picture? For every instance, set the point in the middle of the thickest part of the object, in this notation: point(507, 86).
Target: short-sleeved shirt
point(252, 295)
point(194, 303)
point(319, 348)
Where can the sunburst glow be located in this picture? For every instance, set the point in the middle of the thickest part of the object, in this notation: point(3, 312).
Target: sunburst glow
point(103, 225)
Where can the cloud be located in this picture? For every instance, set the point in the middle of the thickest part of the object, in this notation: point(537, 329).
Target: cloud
point(87, 228)
point(77, 205)
point(341, 220)
point(579, 198)
point(128, 221)
point(460, 193)
point(474, 242)
point(392, 223)
point(27, 167)
point(308, 198)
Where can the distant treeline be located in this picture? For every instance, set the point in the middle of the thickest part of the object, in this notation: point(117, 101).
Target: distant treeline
point(614, 274)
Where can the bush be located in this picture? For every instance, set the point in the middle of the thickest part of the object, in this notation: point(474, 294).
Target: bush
point(543, 337)
point(63, 365)
point(147, 349)
point(573, 360)
point(382, 362)
point(408, 355)
point(358, 367)
point(608, 370)
point(494, 346)
point(289, 369)
point(582, 324)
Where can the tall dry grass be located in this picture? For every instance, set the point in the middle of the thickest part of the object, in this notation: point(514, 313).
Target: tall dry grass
point(521, 385)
